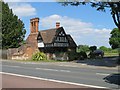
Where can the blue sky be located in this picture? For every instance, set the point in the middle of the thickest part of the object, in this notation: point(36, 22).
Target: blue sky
point(86, 25)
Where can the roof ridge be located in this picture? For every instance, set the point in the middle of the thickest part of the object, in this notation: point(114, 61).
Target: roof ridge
point(50, 29)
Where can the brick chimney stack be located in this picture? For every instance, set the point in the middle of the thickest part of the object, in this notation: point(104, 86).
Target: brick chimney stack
point(57, 24)
point(34, 24)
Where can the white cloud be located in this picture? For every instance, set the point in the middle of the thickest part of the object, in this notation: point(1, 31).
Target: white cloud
point(82, 32)
point(12, 0)
point(30, 0)
point(22, 9)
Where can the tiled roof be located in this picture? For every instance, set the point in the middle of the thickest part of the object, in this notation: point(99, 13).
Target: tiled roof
point(48, 35)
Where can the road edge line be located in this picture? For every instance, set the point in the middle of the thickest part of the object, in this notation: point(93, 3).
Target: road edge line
point(52, 80)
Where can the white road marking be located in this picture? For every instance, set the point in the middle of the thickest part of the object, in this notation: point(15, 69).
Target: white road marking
point(34, 63)
point(38, 78)
point(15, 66)
point(68, 65)
point(53, 70)
point(47, 69)
point(11, 66)
point(105, 74)
point(83, 64)
point(65, 70)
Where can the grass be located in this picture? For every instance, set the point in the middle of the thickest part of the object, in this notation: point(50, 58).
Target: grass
point(109, 54)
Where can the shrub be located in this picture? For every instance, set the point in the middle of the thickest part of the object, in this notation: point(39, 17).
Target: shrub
point(72, 55)
point(39, 56)
point(82, 55)
point(76, 56)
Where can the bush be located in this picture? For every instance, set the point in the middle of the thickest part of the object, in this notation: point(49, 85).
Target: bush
point(72, 55)
point(77, 56)
point(39, 56)
point(82, 55)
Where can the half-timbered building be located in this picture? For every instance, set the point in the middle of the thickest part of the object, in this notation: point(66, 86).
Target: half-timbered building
point(54, 42)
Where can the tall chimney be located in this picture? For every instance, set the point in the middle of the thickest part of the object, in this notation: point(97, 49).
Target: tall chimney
point(57, 24)
point(34, 24)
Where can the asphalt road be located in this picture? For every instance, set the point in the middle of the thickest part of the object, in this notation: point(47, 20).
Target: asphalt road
point(65, 72)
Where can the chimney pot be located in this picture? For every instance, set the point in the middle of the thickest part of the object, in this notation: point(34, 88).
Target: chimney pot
point(34, 24)
point(57, 24)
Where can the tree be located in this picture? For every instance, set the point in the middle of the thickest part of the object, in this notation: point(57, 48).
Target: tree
point(83, 48)
point(13, 31)
point(93, 48)
point(114, 40)
point(100, 6)
point(104, 48)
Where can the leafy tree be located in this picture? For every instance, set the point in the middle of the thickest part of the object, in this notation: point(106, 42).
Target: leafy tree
point(93, 48)
point(113, 5)
point(105, 48)
point(114, 40)
point(83, 48)
point(13, 31)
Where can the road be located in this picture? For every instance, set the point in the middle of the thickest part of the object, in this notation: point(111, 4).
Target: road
point(75, 74)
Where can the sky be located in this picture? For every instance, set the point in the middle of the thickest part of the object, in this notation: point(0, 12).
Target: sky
point(86, 25)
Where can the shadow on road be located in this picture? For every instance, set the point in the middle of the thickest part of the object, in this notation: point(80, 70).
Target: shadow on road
point(113, 79)
point(106, 61)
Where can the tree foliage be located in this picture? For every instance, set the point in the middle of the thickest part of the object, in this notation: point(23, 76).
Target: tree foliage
point(13, 31)
point(114, 40)
point(83, 48)
point(39, 56)
point(93, 48)
point(102, 5)
point(105, 48)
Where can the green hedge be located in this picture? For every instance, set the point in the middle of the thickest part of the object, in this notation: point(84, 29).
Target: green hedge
point(39, 56)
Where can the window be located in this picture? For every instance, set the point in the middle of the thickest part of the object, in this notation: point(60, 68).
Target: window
point(39, 41)
point(57, 39)
point(66, 39)
point(61, 39)
point(61, 44)
point(61, 34)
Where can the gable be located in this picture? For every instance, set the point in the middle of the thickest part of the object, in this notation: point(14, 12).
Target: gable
point(39, 38)
point(61, 36)
point(56, 38)
point(48, 36)
point(40, 41)
point(61, 39)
